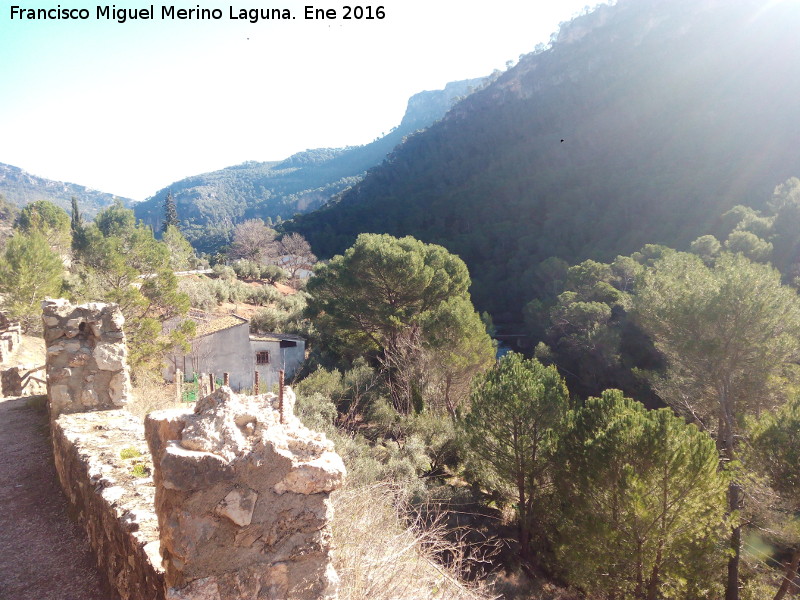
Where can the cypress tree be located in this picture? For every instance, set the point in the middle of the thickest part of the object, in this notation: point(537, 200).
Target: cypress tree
point(170, 213)
point(77, 220)
point(76, 227)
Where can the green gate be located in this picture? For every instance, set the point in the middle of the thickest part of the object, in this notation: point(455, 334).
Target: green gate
point(190, 389)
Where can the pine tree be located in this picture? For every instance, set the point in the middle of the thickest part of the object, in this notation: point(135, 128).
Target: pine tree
point(376, 295)
point(517, 410)
point(643, 502)
point(29, 272)
point(42, 216)
point(727, 333)
point(170, 213)
point(123, 263)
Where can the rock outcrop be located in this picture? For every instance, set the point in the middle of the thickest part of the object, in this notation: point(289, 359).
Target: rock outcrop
point(242, 500)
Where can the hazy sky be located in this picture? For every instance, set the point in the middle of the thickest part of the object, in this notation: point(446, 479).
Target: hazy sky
point(129, 108)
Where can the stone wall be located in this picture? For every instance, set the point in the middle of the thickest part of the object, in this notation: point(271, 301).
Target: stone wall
point(114, 505)
point(235, 504)
point(86, 357)
point(10, 338)
point(242, 500)
point(22, 380)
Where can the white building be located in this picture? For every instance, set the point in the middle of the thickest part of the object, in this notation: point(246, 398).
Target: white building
point(224, 345)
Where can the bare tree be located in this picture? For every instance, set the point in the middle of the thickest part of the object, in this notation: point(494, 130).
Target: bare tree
point(253, 240)
point(296, 254)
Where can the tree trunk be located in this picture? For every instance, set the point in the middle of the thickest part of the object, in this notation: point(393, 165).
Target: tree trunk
point(524, 534)
point(652, 585)
point(524, 541)
point(639, 593)
point(398, 391)
point(788, 577)
point(524, 537)
point(732, 586)
point(734, 496)
point(655, 575)
point(451, 409)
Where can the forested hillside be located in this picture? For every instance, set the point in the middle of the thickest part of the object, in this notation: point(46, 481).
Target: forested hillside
point(627, 201)
point(642, 123)
point(211, 203)
point(20, 188)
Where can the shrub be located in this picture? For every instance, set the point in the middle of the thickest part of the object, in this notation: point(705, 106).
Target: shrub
point(129, 452)
point(201, 294)
point(150, 393)
point(224, 272)
point(322, 381)
point(316, 411)
point(267, 319)
point(140, 470)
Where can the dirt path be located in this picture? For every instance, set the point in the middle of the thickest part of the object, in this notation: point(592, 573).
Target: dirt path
point(30, 352)
point(43, 554)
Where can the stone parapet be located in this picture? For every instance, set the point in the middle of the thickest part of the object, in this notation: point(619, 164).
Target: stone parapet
point(242, 500)
point(86, 357)
point(10, 338)
point(22, 380)
point(112, 497)
point(237, 507)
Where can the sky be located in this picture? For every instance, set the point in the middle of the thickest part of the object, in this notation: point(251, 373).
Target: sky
point(128, 108)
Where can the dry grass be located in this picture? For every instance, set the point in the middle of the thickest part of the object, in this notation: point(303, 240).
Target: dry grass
point(378, 557)
point(150, 394)
point(517, 586)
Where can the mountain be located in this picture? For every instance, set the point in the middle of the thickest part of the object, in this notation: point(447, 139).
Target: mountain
point(20, 187)
point(642, 123)
point(209, 204)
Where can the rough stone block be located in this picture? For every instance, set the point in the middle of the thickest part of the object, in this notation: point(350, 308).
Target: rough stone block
point(238, 506)
point(242, 500)
point(119, 388)
point(109, 357)
point(86, 357)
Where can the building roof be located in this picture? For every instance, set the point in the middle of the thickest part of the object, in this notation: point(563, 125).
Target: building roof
point(215, 324)
point(275, 337)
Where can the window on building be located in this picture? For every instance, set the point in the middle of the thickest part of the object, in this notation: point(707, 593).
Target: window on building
point(262, 358)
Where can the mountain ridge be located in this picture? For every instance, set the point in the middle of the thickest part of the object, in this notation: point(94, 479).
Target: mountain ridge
point(643, 123)
point(20, 187)
point(209, 204)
